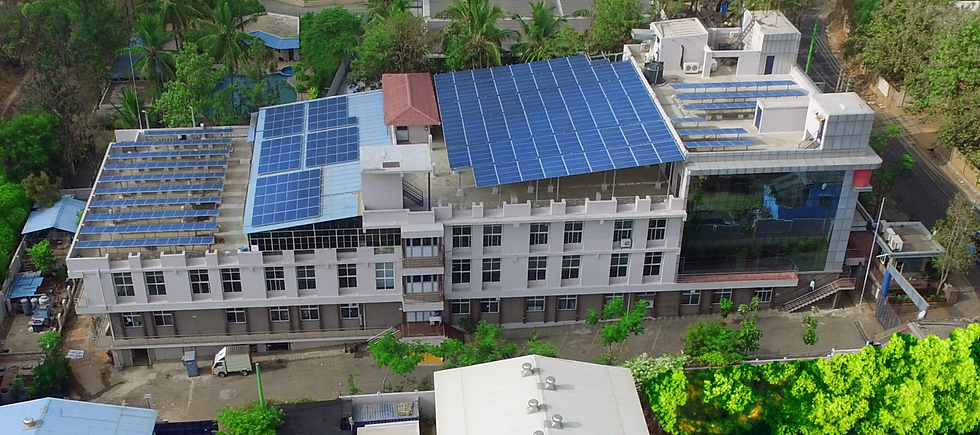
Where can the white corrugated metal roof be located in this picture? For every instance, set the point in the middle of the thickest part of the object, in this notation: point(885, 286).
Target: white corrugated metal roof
point(492, 398)
point(69, 417)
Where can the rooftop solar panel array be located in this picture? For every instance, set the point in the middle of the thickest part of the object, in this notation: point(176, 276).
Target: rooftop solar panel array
point(552, 118)
point(146, 215)
point(162, 177)
point(166, 165)
point(280, 154)
point(331, 146)
point(688, 119)
point(180, 131)
point(155, 202)
point(725, 85)
point(287, 197)
point(135, 243)
point(158, 188)
point(169, 154)
point(721, 106)
point(328, 113)
point(284, 120)
point(743, 94)
point(719, 143)
point(710, 131)
point(152, 228)
point(171, 143)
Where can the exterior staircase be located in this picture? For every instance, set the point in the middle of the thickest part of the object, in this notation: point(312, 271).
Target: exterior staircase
point(412, 193)
point(818, 294)
point(396, 330)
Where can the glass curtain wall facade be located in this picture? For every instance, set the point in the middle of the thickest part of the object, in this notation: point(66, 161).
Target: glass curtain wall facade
point(760, 222)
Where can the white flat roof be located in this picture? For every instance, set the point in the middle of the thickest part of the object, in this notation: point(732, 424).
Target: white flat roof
point(492, 399)
point(396, 428)
point(845, 103)
point(680, 27)
point(773, 21)
point(396, 159)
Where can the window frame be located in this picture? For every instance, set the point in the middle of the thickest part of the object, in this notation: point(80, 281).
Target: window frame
point(158, 286)
point(693, 298)
point(719, 294)
point(462, 236)
point(135, 320)
point(276, 314)
point(198, 286)
point(622, 229)
point(163, 315)
point(657, 229)
point(567, 303)
point(493, 235)
point(306, 277)
point(384, 275)
point(538, 303)
point(456, 307)
point(462, 270)
point(764, 290)
point(275, 278)
point(231, 280)
point(347, 275)
point(491, 274)
point(619, 265)
point(537, 268)
point(573, 232)
point(123, 281)
point(351, 308)
point(309, 313)
point(538, 234)
point(229, 312)
point(568, 269)
point(492, 306)
point(650, 265)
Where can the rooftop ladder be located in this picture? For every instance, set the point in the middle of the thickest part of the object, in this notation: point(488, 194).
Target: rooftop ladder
point(818, 294)
point(744, 33)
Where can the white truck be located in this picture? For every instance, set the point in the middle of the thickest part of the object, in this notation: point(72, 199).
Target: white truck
point(232, 359)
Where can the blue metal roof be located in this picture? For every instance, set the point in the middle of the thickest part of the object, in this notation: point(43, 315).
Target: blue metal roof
point(25, 284)
point(63, 215)
point(275, 42)
point(69, 417)
point(340, 181)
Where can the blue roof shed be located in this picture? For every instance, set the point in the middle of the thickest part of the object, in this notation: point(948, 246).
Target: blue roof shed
point(63, 215)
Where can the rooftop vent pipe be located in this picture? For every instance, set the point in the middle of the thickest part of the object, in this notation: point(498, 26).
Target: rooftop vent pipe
point(532, 406)
point(538, 432)
point(31, 423)
point(549, 383)
point(555, 422)
point(527, 370)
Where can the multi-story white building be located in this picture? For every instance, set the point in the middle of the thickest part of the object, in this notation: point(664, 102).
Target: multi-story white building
point(523, 195)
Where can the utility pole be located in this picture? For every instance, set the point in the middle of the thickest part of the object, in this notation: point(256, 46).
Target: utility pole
point(258, 378)
point(813, 42)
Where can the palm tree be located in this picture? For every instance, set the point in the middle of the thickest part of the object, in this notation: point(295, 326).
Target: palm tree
point(154, 61)
point(224, 38)
point(179, 14)
point(129, 113)
point(473, 32)
point(542, 26)
point(386, 8)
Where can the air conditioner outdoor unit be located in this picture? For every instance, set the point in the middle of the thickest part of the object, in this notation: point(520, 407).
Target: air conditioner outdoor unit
point(625, 243)
point(896, 243)
point(692, 67)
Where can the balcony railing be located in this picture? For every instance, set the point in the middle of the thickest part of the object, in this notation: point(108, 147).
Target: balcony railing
point(735, 266)
point(437, 260)
point(422, 298)
point(104, 341)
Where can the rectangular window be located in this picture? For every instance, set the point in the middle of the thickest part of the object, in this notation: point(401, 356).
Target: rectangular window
point(691, 297)
point(539, 233)
point(657, 229)
point(652, 262)
point(231, 280)
point(306, 277)
point(123, 283)
point(347, 274)
point(573, 232)
point(384, 275)
point(154, 283)
point(619, 265)
point(419, 316)
point(163, 319)
point(567, 303)
point(461, 236)
point(764, 294)
point(490, 306)
point(492, 235)
point(422, 283)
point(537, 268)
point(200, 281)
point(461, 271)
point(279, 314)
point(491, 270)
point(622, 229)
point(718, 295)
point(309, 312)
point(275, 279)
point(570, 266)
point(350, 311)
point(235, 315)
point(534, 304)
point(460, 307)
point(132, 320)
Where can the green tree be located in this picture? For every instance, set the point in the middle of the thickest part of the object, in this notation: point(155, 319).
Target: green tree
point(51, 375)
point(254, 419)
point(155, 62)
point(179, 14)
point(895, 43)
point(326, 39)
point(43, 189)
point(128, 114)
point(534, 346)
point(956, 233)
point(28, 144)
point(714, 344)
point(42, 258)
point(224, 38)
point(726, 307)
point(810, 333)
point(613, 22)
point(646, 369)
point(398, 356)
point(396, 43)
point(880, 137)
point(472, 39)
point(193, 87)
point(488, 345)
point(537, 30)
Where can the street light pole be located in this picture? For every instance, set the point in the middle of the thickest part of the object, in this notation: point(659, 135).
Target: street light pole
point(874, 241)
point(147, 116)
point(193, 118)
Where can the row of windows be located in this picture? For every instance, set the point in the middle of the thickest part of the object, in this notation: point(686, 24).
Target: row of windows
point(693, 297)
point(570, 302)
point(537, 267)
point(237, 315)
point(492, 234)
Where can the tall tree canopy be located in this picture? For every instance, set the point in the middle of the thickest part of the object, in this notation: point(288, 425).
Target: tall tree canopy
point(543, 25)
point(193, 87)
point(472, 39)
point(29, 144)
point(613, 22)
point(224, 37)
point(179, 14)
point(326, 39)
point(154, 61)
point(397, 43)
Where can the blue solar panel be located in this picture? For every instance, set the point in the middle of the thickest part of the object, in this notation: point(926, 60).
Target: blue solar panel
point(743, 94)
point(158, 188)
point(178, 131)
point(147, 215)
point(153, 228)
point(689, 119)
point(280, 154)
point(166, 165)
point(721, 106)
point(719, 143)
point(158, 154)
point(155, 202)
point(283, 120)
point(709, 131)
point(286, 197)
point(162, 177)
point(331, 146)
point(745, 84)
point(134, 243)
point(171, 143)
point(328, 113)
point(552, 118)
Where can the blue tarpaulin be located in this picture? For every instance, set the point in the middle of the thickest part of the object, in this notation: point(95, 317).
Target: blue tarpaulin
point(25, 284)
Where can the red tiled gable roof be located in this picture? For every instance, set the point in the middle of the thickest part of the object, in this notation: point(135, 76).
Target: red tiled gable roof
point(409, 99)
